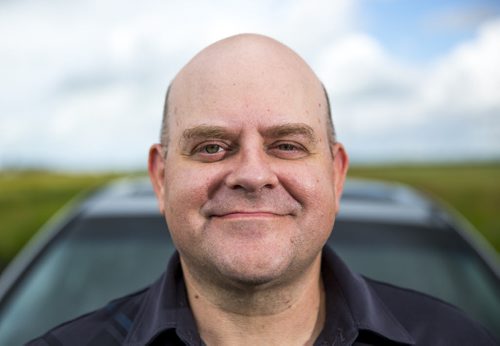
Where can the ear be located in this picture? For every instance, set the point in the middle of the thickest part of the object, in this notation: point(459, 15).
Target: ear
point(340, 166)
point(156, 169)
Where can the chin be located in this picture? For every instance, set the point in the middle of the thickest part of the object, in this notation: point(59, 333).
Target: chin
point(249, 273)
point(252, 280)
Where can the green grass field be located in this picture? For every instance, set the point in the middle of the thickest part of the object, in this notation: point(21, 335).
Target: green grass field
point(28, 199)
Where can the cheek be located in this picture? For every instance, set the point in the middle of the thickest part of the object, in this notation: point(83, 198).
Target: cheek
point(311, 185)
point(187, 188)
point(313, 188)
point(183, 195)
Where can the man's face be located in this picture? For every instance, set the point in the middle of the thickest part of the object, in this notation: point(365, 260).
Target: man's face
point(251, 182)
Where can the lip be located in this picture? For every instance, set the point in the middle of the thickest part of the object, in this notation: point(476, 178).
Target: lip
point(246, 214)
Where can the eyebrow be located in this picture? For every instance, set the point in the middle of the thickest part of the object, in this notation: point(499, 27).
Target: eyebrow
point(205, 131)
point(278, 131)
point(293, 129)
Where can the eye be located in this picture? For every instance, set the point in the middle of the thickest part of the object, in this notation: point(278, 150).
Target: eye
point(287, 147)
point(210, 152)
point(288, 150)
point(211, 149)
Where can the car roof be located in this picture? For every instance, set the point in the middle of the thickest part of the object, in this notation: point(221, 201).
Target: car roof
point(361, 200)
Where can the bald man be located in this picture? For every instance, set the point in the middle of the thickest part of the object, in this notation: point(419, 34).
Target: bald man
point(248, 175)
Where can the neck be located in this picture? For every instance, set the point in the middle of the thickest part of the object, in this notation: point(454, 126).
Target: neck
point(283, 314)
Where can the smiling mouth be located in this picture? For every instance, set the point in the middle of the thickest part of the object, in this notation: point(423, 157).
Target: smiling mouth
point(247, 214)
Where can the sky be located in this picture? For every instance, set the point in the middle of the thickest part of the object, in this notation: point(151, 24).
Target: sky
point(82, 82)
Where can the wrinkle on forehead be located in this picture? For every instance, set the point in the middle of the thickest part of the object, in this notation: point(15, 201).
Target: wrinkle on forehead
point(277, 131)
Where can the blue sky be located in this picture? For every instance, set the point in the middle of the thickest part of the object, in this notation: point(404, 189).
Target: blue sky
point(83, 82)
point(419, 31)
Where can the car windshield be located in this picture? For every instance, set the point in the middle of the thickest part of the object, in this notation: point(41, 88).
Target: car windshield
point(94, 260)
point(91, 262)
point(433, 260)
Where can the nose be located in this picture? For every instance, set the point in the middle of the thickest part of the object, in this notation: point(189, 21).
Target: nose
point(252, 172)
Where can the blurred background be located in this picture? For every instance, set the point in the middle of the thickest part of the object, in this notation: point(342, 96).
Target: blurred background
point(414, 86)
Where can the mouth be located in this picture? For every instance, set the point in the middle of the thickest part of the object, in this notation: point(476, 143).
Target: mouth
point(246, 214)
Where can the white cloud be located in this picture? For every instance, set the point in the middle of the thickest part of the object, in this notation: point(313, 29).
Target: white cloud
point(369, 88)
point(83, 82)
point(468, 79)
point(386, 110)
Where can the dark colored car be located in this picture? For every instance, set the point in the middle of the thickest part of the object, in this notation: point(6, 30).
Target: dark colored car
point(115, 242)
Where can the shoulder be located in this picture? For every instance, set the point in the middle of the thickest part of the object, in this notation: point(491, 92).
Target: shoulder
point(106, 326)
point(430, 320)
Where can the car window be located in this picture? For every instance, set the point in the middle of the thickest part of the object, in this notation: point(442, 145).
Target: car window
point(434, 260)
point(90, 263)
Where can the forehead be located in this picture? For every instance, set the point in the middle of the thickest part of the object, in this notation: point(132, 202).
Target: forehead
point(259, 85)
point(259, 108)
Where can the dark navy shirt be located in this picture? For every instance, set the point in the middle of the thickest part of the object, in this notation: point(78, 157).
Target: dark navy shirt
point(359, 311)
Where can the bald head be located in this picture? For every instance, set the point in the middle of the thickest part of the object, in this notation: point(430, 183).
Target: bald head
point(240, 67)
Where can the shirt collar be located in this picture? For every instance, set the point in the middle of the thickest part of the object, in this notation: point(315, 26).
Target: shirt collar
point(165, 307)
point(352, 307)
